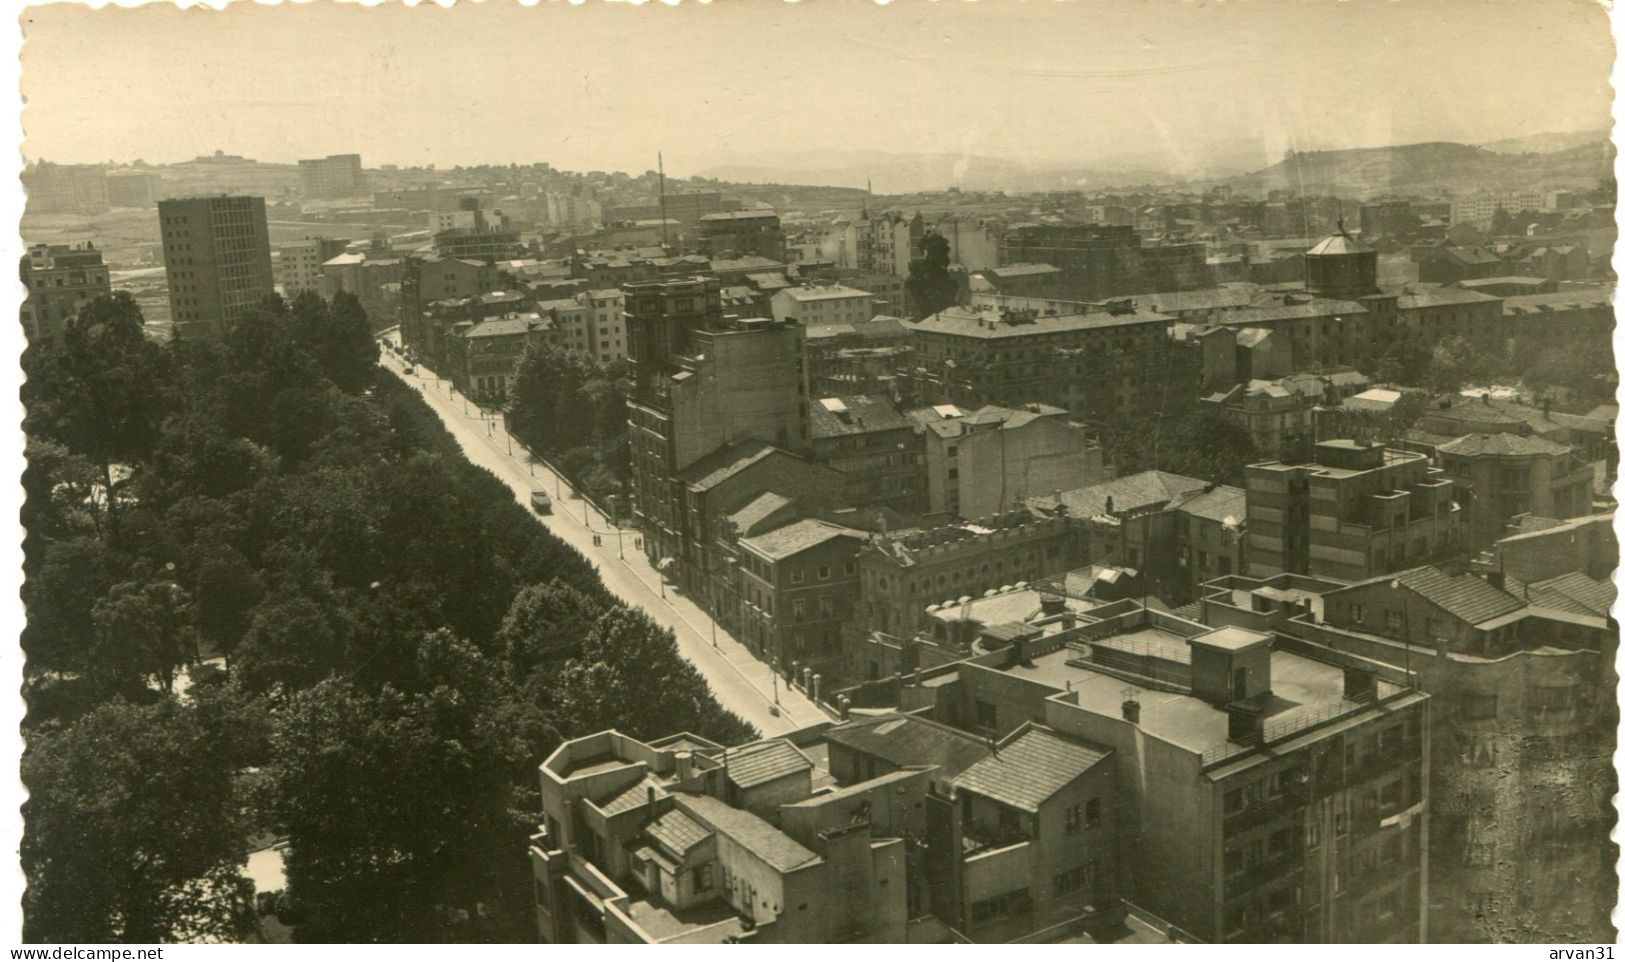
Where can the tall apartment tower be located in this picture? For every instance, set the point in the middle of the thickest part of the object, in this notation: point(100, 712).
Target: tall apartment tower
point(217, 256)
point(702, 382)
point(337, 175)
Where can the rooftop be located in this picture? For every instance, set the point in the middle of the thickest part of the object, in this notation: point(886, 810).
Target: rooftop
point(854, 414)
point(1030, 766)
point(724, 463)
point(778, 850)
point(1125, 494)
point(1501, 444)
point(757, 510)
point(676, 832)
point(796, 537)
point(909, 740)
point(1574, 592)
point(1466, 596)
point(822, 292)
point(727, 215)
point(761, 762)
point(993, 322)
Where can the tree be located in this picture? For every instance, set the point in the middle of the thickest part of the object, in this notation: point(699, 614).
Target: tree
point(1501, 223)
point(1404, 362)
point(102, 394)
point(134, 832)
point(931, 286)
point(142, 629)
point(60, 594)
point(545, 621)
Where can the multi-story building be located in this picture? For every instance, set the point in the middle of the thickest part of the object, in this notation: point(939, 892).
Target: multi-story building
point(699, 383)
point(471, 233)
point(592, 322)
point(483, 356)
point(858, 358)
point(1100, 362)
point(1267, 788)
point(572, 209)
point(1388, 218)
point(972, 244)
point(901, 576)
point(741, 232)
point(988, 461)
point(1521, 735)
point(1480, 207)
point(797, 585)
point(681, 841)
point(1499, 476)
point(1278, 414)
point(1169, 533)
point(1017, 280)
point(60, 279)
point(874, 447)
point(1538, 549)
point(65, 188)
point(336, 175)
point(1099, 261)
point(217, 258)
point(299, 263)
point(884, 243)
point(426, 281)
point(373, 277)
point(1355, 511)
point(820, 304)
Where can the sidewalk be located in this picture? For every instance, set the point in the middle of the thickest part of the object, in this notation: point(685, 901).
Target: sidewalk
point(742, 683)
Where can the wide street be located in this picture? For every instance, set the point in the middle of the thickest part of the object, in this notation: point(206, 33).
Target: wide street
point(743, 684)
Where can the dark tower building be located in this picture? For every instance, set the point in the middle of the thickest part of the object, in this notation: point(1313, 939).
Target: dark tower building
point(1341, 267)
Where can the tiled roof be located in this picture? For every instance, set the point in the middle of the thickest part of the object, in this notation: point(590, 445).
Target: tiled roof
point(1501, 443)
point(759, 508)
point(864, 413)
point(796, 537)
point(761, 762)
point(724, 463)
point(1126, 493)
point(1319, 307)
point(772, 846)
point(1224, 504)
point(677, 832)
point(636, 796)
point(1466, 596)
point(990, 322)
point(1340, 243)
point(1030, 767)
point(909, 740)
point(823, 292)
point(1442, 297)
point(1574, 592)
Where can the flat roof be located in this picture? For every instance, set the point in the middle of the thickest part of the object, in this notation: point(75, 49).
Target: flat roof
point(1231, 638)
point(1301, 689)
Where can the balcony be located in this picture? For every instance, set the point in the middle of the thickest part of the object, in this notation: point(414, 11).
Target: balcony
point(977, 841)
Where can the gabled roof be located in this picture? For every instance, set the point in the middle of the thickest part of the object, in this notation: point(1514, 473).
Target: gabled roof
point(1223, 504)
point(796, 537)
point(1033, 764)
point(1466, 596)
point(854, 414)
point(1501, 443)
point(910, 740)
point(1126, 493)
point(751, 833)
point(761, 762)
point(636, 796)
point(1574, 592)
point(677, 832)
point(757, 510)
point(725, 462)
point(1339, 243)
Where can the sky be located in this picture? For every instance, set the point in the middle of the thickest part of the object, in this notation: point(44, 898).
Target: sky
point(1186, 87)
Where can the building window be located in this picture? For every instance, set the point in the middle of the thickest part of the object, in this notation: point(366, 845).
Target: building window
point(1074, 818)
point(987, 715)
point(823, 572)
point(1394, 621)
point(1091, 813)
point(1357, 614)
point(797, 576)
point(702, 878)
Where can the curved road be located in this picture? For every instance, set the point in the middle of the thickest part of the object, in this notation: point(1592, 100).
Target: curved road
point(742, 683)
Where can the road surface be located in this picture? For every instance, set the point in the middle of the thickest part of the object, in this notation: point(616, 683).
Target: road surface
point(742, 683)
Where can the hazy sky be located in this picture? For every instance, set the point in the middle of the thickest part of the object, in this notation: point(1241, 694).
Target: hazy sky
point(1144, 83)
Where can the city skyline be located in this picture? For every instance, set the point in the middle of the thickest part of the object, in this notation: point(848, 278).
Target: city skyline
point(956, 80)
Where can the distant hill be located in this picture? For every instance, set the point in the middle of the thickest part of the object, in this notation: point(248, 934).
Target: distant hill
point(899, 173)
point(1371, 171)
point(1547, 143)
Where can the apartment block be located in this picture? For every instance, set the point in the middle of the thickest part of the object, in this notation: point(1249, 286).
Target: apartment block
point(299, 263)
point(217, 258)
point(1355, 511)
point(60, 279)
point(337, 175)
point(988, 461)
point(1500, 476)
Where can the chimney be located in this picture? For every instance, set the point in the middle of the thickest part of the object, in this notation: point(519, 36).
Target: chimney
point(1051, 604)
point(1131, 711)
point(1497, 579)
point(1246, 722)
point(685, 766)
point(651, 796)
point(1108, 504)
point(1359, 684)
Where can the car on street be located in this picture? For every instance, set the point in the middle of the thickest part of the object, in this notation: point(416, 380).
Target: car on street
point(541, 503)
point(411, 369)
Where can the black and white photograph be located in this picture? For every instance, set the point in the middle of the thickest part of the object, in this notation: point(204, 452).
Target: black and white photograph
point(1109, 472)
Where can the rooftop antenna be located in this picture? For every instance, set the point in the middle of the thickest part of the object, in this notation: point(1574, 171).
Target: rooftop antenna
point(660, 162)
